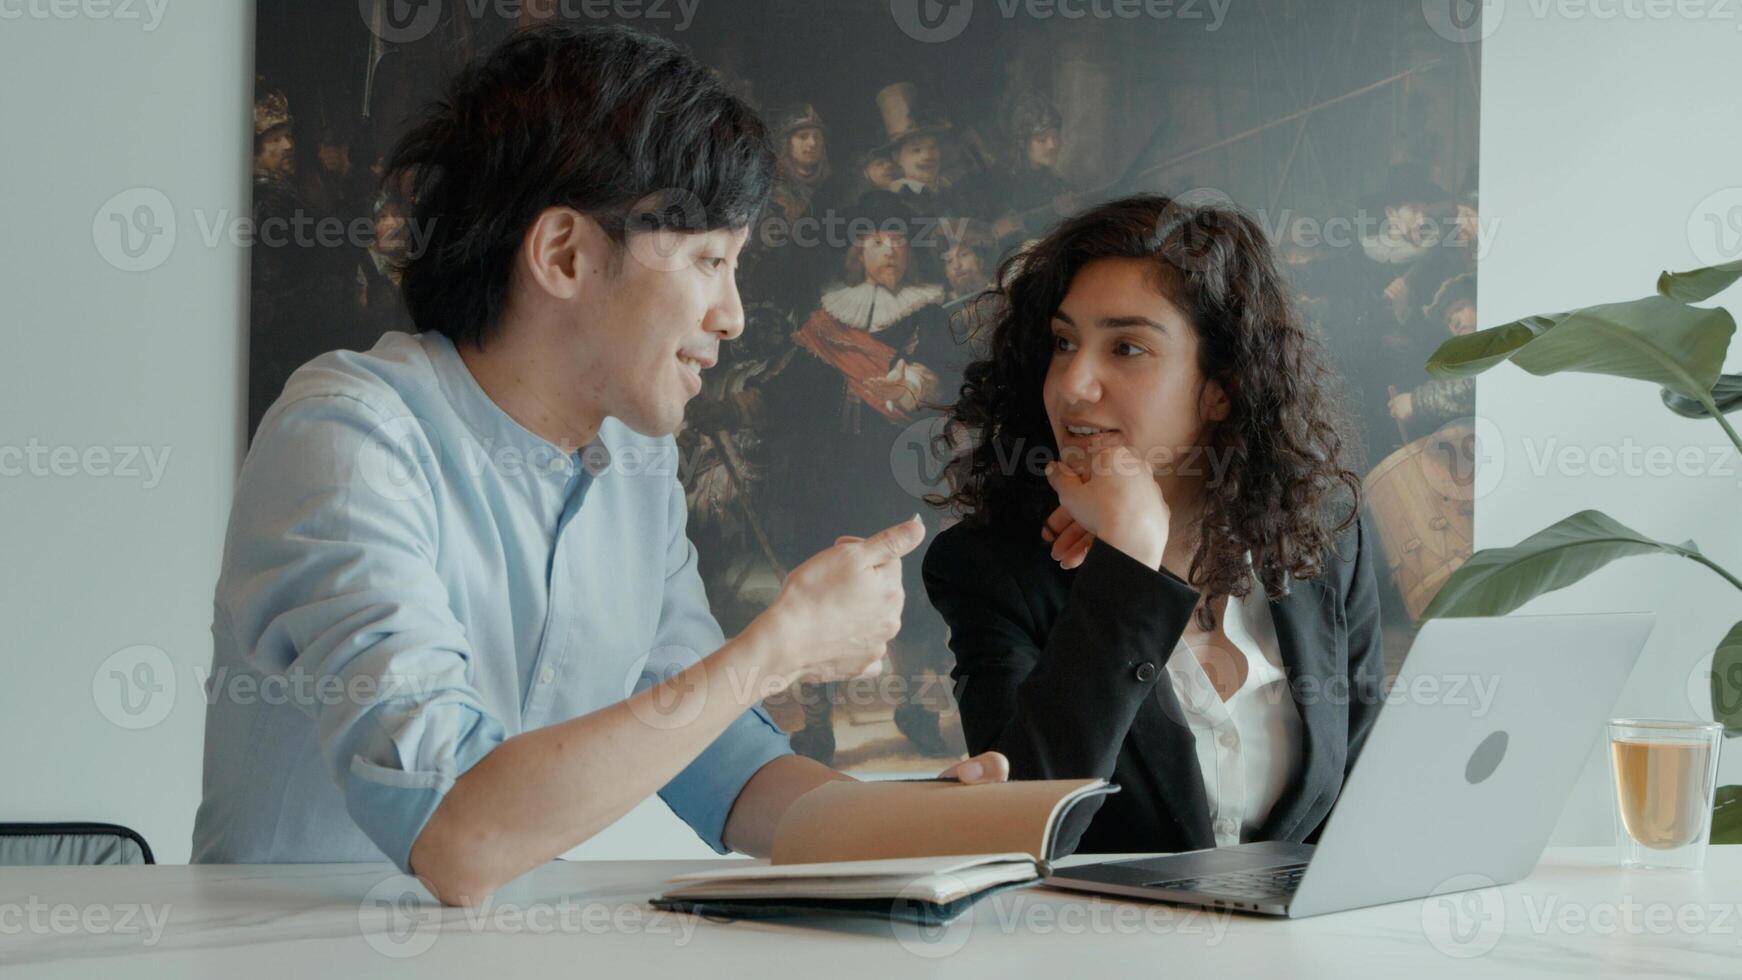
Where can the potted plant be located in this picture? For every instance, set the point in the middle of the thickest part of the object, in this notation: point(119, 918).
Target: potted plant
point(1664, 339)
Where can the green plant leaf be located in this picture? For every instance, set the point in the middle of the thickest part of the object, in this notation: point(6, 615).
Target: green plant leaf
point(1654, 339)
point(1698, 285)
point(1726, 394)
point(1727, 816)
point(1727, 682)
point(1495, 581)
point(1471, 354)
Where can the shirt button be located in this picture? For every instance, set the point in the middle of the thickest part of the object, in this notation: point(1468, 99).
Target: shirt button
point(1225, 827)
point(547, 676)
point(1228, 739)
point(1145, 671)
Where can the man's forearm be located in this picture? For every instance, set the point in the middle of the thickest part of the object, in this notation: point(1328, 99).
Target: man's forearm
point(766, 797)
point(543, 792)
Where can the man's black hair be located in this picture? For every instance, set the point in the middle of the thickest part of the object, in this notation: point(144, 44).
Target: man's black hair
point(617, 124)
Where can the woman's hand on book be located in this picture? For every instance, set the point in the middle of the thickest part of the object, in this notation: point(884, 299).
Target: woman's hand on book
point(1112, 497)
point(987, 767)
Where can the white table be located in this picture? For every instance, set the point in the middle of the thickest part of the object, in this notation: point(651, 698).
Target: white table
point(1576, 915)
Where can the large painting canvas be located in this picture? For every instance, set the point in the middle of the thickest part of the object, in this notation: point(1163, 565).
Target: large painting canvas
point(1348, 129)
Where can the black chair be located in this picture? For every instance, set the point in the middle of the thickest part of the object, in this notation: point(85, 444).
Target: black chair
point(38, 844)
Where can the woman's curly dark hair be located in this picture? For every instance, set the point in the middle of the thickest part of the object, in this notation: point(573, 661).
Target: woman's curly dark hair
point(1285, 435)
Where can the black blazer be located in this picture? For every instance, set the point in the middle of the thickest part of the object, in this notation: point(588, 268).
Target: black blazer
point(1059, 671)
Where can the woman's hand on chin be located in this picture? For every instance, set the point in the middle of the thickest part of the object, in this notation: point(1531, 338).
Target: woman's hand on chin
point(1113, 497)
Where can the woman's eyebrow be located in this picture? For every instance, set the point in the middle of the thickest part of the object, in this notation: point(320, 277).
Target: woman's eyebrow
point(1116, 322)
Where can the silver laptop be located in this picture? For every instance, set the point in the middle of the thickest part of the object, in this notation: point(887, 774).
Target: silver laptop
point(1459, 784)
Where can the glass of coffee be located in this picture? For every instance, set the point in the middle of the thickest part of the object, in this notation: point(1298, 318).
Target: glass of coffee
point(1665, 775)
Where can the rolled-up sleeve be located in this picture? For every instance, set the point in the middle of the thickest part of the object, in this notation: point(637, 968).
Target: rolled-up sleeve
point(331, 587)
point(703, 793)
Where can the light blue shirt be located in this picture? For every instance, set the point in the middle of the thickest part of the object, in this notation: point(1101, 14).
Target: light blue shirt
point(410, 577)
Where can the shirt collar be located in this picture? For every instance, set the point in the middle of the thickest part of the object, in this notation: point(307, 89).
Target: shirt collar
point(496, 430)
point(1238, 622)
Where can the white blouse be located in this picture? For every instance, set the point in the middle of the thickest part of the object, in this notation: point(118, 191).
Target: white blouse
point(1249, 745)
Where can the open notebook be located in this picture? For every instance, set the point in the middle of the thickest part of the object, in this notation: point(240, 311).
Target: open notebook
point(922, 851)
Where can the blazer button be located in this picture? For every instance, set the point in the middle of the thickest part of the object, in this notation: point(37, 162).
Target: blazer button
point(1145, 671)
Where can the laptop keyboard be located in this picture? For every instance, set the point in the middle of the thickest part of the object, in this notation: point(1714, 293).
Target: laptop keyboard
point(1274, 882)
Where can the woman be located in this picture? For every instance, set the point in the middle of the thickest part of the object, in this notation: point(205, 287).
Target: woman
point(1181, 599)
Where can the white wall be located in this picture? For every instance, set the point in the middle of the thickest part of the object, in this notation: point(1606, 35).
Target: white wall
point(98, 357)
point(95, 563)
point(1599, 139)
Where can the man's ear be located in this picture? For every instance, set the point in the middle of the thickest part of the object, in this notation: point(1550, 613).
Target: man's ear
point(561, 249)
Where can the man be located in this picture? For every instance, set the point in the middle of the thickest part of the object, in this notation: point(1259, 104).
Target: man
point(804, 160)
point(1439, 400)
point(459, 623)
point(332, 186)
point(871, 357)
point(782, 264)
point(970, 253)
point(1403, 257)
point(299, 280)
point(376, 289)
point(913, 128)
point(1034, 195)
